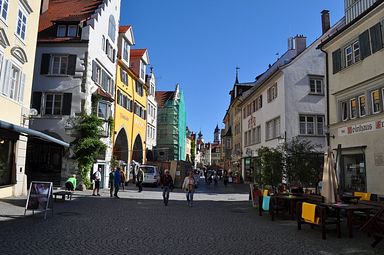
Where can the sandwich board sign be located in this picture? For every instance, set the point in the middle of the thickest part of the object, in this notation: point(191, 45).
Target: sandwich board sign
point(39, 197)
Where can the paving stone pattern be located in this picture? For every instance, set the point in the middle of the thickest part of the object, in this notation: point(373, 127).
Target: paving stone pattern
point(130, 225)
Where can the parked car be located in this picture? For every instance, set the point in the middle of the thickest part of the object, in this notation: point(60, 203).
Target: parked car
point(151, 174)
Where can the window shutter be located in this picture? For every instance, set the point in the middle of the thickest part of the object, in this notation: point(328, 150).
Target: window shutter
point(36, 101)
point(72, 64)
point(67, 104)
point(336, 59)
point(2, 76)
point(118, 97)
point(94, 70)
point(21, 88)
point(45, 59)
point(365, 46)
point(113, 88)
point(7, 71)
point(377, 40)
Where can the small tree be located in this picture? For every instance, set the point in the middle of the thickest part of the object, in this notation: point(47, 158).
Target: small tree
point(303, 163)
point(87, 146)
point(270, 161)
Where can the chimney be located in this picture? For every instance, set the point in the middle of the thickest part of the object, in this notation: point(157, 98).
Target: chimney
point(44, 6)
point(300, 43)
point(290, 43)
point(325, 23)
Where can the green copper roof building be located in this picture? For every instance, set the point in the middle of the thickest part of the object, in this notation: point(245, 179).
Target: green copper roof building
point(171, 125)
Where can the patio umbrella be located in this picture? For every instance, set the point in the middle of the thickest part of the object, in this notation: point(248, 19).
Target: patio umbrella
point(329, 183)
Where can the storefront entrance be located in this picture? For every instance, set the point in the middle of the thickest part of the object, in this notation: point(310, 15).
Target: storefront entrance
point(353, 173)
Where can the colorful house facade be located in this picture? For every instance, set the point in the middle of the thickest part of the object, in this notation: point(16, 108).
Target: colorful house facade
point(18, 33)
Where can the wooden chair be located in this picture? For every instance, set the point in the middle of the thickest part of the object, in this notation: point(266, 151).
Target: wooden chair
point(321, 214)
point(375, 227)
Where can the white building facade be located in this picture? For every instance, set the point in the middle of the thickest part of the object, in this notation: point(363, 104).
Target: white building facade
point(151, 116)
point(286, 102)
point(74, 73)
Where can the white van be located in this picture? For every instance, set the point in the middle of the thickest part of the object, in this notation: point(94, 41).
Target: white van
point(151, 174)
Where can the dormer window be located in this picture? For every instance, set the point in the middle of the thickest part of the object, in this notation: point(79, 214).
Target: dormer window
point(67, 30)
point(125, 50)
point(61, 30)
point(72, 31)
point(142, 70)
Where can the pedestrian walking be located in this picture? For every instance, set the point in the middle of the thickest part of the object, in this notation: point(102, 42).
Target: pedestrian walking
point(140, 179)
point(215, 179)
point(189, 187)
point(123, 178)
point(97, 178)
point(117, 181)
point(225, 178)
point(70, 184)
point(111, 182)
point(166, 183)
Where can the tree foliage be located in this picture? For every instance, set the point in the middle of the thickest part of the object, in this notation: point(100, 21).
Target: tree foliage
point(302, 163)
point(87, 146)
point(270, 162)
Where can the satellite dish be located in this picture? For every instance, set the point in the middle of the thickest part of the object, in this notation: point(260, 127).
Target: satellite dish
point(33, 112)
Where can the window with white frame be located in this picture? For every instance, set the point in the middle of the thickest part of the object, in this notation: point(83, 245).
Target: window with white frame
point(311, 124)
point(61, 30)
point(352, 53)
point(14, 82)
point(362, 106)
point(59, 65)
point(53, 104)
point(142, 70)
point(125, 50)
point(259, 102)
point(123, 76)
point(272, 93)
point(353, 108)
point(72, 31)
point(316, 86)
point(104, 110)
point(21, 24)
point(375, 98)
point(4, 9)
point(272, 129)
point(139, 88)
point(344, 111)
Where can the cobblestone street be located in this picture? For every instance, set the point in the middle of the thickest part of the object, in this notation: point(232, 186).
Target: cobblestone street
point(139, 223)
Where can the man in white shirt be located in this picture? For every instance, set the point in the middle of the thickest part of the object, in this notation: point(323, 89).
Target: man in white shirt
point(97, 176)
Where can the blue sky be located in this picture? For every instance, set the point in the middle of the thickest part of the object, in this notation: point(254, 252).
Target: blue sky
point(199, 43)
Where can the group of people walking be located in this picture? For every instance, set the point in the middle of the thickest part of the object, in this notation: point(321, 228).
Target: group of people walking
point(117, 178)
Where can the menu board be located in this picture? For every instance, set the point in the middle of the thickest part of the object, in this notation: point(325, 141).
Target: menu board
point(39, 195)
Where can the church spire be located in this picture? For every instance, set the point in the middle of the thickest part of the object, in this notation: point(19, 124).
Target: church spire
point(237, 75)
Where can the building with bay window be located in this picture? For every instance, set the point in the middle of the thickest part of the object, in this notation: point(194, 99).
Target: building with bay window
point(356, 95)
point(75, 69)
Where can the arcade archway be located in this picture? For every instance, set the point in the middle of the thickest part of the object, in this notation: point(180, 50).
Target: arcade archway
point(120, 149)
point(137, 153)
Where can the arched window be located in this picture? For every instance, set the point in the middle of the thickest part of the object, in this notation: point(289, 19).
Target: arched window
point(112, 28)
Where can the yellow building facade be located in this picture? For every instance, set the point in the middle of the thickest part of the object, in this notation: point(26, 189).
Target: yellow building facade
point(131, 100)
point(19, 21)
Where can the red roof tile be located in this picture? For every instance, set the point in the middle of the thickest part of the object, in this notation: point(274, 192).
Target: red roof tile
point(64, 11)
point(137, 53)
point(163, 96)
point(123, 29)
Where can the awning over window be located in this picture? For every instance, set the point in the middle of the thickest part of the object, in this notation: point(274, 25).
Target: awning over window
point(31, 132)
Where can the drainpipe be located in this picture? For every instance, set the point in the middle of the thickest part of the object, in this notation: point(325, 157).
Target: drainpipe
point(327, 94)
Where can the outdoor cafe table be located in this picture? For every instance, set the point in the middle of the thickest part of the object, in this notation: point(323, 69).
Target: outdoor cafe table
point(291, 199)
point(347, 198)
point(350, 209)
